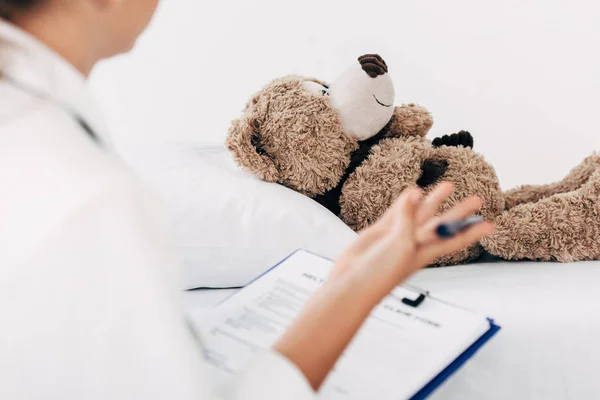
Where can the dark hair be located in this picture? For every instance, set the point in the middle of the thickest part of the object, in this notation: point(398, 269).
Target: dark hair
point(8, 7)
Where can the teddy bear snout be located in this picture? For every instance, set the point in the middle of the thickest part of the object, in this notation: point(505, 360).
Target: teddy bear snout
point(373, 65)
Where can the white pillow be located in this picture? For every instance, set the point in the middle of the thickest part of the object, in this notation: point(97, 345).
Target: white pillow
point(231, 227)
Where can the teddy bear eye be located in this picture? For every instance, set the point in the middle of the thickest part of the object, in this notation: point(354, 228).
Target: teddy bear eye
point(325, 92)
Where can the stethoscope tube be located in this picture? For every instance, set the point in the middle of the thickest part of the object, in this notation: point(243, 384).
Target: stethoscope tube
point(41, 96)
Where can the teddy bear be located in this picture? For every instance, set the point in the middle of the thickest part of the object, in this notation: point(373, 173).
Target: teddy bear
point(348, 147)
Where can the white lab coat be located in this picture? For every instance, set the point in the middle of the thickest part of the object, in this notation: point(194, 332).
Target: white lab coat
point(89, 294)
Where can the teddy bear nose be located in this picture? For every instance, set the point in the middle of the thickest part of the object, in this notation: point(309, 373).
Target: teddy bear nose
point(373, 65)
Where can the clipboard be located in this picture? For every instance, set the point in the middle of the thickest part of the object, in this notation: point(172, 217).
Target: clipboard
point(436, 382)
point(420, 297)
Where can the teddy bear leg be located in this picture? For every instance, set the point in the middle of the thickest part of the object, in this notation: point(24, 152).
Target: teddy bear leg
point(564, 227)
point(573, 181)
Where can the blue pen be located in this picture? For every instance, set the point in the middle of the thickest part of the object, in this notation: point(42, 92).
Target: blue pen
point(450, 229)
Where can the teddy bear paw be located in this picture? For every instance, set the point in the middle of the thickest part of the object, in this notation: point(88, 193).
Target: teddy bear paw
point(431, 171)
point(462, 138)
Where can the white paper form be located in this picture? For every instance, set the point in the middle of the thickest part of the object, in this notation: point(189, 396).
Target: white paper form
point(397, 351)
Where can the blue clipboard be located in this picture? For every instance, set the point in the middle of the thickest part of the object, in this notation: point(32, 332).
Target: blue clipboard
point(436, 382)
point(447, 372)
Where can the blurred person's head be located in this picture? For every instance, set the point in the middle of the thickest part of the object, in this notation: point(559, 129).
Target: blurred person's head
point(82, 31)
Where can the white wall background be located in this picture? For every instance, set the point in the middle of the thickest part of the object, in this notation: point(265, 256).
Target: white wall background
point(522, 76)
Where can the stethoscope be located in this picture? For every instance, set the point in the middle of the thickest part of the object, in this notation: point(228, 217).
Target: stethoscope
point(44, 97)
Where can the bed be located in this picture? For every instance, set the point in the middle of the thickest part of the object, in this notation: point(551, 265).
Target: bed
point(549, 312)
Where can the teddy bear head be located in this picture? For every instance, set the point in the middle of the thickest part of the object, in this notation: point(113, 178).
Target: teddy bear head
point(301, 132)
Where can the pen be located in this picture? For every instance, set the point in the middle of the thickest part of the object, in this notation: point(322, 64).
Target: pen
point(450, 229)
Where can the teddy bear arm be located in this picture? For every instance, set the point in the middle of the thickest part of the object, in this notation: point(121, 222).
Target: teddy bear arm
point(409, 120)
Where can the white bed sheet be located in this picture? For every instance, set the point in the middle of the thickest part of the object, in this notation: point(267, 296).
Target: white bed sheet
point(550, 317)
point(230, 226)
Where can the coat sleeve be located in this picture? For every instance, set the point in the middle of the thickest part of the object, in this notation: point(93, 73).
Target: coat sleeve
point(100, 316)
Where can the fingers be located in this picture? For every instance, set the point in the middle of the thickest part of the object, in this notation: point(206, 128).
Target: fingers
point(393, 209)
point(401, 212)
point(397, 245)
point(404, 211)
point(434, 201)
point(464, 209)
point(385, 222)
point(432, 252)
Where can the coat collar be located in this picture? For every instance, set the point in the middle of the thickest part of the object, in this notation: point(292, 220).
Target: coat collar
point(29, 62)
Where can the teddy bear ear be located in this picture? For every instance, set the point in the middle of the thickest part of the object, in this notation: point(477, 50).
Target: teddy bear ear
point(245, 143)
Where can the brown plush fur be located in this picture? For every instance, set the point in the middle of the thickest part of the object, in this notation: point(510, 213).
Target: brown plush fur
point(558, 222)
point(293, 137)
point(410, 120)
point(299, 137)
point(574, 180)
point(394, 165)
